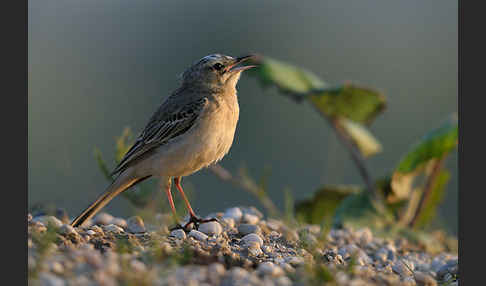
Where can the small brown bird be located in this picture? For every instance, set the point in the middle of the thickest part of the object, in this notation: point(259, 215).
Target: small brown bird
point(192, 129)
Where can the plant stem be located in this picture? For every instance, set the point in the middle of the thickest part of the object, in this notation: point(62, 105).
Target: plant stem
point(247, 184)
point(429, 186)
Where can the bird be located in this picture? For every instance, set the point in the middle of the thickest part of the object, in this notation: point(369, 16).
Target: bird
point(193, 128)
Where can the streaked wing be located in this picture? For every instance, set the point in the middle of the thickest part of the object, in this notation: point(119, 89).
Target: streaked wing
point(162, 127)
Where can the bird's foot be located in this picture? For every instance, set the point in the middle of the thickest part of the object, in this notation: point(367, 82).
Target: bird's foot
point(193, 223)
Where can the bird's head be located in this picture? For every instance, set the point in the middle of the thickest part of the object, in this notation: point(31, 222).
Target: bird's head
point(216, 71)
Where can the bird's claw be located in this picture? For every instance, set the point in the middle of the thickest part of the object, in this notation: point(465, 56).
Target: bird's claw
point(195, 221)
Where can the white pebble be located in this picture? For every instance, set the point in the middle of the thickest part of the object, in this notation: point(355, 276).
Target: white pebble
point(211, 228)
point(178, 233)
point(268, 268)
point(252, 237)
point(135, 224)
point(119, 221)
point(67, 229)
point(112, 228)
point(103, 218)
point(234, 213)
point(197, 235)
point(250, 219)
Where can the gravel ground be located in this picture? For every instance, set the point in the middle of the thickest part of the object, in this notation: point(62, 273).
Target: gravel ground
point(243, 248)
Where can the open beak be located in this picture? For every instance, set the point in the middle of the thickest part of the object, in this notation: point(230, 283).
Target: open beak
point(235, 68)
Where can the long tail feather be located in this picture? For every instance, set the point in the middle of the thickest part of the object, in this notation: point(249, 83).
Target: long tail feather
point(118, 186)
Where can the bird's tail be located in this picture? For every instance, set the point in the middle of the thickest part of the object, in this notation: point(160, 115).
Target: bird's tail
point(118, 186)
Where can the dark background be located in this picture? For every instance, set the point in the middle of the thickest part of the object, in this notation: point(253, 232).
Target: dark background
point(98, 66)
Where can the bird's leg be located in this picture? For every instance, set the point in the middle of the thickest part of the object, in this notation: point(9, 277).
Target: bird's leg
point(168, 192)
point(193, 217)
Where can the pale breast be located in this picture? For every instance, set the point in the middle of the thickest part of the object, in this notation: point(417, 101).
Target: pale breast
point(207, 142)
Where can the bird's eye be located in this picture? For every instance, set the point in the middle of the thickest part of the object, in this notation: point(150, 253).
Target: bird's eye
point(218, 66)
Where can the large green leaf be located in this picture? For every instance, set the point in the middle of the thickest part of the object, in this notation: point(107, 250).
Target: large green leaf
point(423, 156)
point(356, 103)
point(433, 145)
point(324, 202)
point(359, 104)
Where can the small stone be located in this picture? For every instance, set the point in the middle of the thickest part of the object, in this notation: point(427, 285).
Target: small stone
point(296, 261)
point(252, 237)
point(399, 268)
point(423, 279)
point(138, 266)
point(198, 235)
point(216, 271)
point(135, 225)
point(283, 281)
point(228, 221)
point(67, 229)
point(49, 219)
point(119, 221)
point(113, 228)
point(365, 236)
point(268, 268)
point(178, 233)
point(250, 218)
point(234, 213)
point(267, 249)
point(47, 279)
point(211, 228)
point(56, 267)
point(90, 232)
point(254, 249)
point(103, 218)
point(244, 229)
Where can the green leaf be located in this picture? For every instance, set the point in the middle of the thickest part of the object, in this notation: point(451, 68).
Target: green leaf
point(432, 147)
point(359, 104)
point(357, 210)
point(287, 78)
point(436, 196)
point(367, 144)
point(324, 202)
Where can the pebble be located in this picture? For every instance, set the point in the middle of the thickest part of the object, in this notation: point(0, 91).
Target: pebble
point(254, 249)
point(198, 235)
point(252, 237)
point(48, 219)
point(90, 232)
point(67, 229)
point(103, 218)
point(113, 228)
point(250, 218)
point(423, 279)
point(268, 268)
point(234, 213)
point(228, 221)
point(211, 228)
point(135, 225)
point(178, 233)
point(119, 221)
point(399, 268)
point(47, 279)
point(244, 229)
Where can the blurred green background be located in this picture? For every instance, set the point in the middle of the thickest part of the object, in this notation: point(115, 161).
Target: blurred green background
point(96, 67)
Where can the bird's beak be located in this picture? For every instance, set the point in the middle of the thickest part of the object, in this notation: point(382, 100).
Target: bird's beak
point(234, 68)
